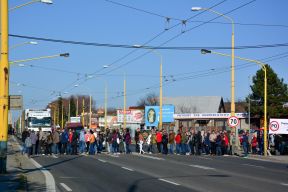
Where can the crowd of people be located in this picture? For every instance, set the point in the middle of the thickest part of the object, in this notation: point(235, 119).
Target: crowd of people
point(183, 142)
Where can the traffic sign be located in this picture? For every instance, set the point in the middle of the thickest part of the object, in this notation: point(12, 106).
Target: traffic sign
point(274, 126)
point(233, 121)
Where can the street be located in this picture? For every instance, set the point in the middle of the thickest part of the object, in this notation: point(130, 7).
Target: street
point(136, 172)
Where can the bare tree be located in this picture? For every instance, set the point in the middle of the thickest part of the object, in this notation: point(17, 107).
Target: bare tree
point(151, 99)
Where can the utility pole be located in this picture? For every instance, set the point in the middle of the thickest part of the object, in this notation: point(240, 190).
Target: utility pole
point(124, 107)
point(4, 86)
point(83, 107)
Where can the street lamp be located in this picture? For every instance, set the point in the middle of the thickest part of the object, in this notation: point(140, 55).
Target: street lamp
point(48, 2)
point(38, 58)
point(161, 84)
point(263, 67)
point(232, 55)
point(4, 78)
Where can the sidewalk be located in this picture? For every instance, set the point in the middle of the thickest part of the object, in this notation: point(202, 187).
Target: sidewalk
point(273, 158)
point(21, 175)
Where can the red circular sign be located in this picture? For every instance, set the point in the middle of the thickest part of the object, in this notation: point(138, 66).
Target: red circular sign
point(233, 121)
point(274, 126)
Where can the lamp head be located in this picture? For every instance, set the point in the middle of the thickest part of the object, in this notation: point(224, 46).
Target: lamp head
point(137, 46)
point(205, 51)
point(33, 42)
point(49, 2)
point(64, 55)
point(196, 8)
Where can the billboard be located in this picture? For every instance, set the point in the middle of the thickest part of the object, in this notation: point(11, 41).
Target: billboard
point(15, 102)
point(152, 114)
point(278, 126)
point(132, 116)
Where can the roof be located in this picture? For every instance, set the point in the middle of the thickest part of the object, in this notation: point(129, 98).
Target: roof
point(195, 104)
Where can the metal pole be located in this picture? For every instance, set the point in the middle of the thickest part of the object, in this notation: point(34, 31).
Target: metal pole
point(105, 113)
point(69, 113)
point(124, 108)
point(83, 107)
point(62, 116)
point(77, 106)
point(265, 110)
point(90, 111)
point(161, 96)
point(4, 86)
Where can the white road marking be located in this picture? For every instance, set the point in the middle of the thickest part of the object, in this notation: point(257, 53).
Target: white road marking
point(54, 156)
point(251, 165)
point(127, 168)
point(103, 161)
point(171, 182)
point(50, 182)
point(111, 155)
point(69, 177)
point(149, 157)
point(285, 184)
point(65, 187)
point(205, 158)
point(202, 167)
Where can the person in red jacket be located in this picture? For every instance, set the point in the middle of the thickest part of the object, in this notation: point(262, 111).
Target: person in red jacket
point(254, 144)
point(159, 141)
point(225, 143)
point(178, 142)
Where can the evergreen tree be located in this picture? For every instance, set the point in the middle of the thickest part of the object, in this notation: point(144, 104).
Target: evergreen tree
point(72, 106)
point(277, 95)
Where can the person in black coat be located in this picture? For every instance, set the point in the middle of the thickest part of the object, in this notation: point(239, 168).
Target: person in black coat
point(165, 142)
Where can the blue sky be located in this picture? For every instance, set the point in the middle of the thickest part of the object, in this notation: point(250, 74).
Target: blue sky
point(187, 73)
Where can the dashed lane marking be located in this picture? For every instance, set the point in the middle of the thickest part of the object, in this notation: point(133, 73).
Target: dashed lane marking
point(103, 161)
point(127, 168)
point(149, 157)
point(171, 182)
point(207, 158)
point(65, 187)
point(251, 165)
point(284, 184)
point(202, 167)
point(111, 155)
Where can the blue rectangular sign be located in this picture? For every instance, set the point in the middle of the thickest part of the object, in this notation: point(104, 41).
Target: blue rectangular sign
point(167, 113)
point(152, 115)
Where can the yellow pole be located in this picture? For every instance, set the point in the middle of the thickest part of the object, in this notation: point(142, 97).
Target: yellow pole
point(77, 107)
point(124, 107)
point(161, 96)
point(54, 115)
point(62, 116)
point(83, 107)
point(90, 111)
point(105, 105)
point(265, 110)
point(4, 86)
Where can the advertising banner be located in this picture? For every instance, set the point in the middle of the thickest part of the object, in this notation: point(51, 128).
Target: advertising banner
point(278, 126)
point(152, 114)
point(209, 115)
point(132, 116)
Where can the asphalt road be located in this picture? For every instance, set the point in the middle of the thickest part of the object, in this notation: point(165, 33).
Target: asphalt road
point(131, 173)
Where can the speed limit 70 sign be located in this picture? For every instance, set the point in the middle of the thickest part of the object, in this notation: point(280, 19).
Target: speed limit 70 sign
point(233, 121)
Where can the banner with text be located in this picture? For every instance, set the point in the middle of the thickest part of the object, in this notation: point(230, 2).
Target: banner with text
point(132, 116)
point(278, 126)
